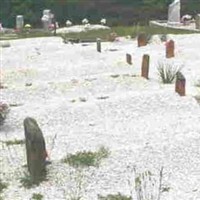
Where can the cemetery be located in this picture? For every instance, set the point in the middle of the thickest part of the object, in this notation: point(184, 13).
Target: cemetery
point(110, 118)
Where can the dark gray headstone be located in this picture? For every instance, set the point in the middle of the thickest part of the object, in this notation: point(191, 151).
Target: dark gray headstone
point(35, 149)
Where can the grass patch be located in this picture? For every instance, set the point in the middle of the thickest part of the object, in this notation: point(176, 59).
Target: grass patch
point(14, 142)
point(37, 196)
point(86, 158)
point(118, 196)
point(28, 182)
point(167, 72)
point(2, 186)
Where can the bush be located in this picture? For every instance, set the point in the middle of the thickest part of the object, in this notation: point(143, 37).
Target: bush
point(167, 72)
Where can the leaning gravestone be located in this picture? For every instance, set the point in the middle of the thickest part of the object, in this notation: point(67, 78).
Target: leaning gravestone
point(174, 12)
point(19, 22)
point(145, 66)
point(35, 149)
point(180, 84)
point(197, 21)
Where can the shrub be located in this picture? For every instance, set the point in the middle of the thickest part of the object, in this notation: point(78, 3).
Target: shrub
point(86, 158)
point(167, 72)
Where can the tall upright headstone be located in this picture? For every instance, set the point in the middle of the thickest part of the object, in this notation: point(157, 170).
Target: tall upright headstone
point(19, 22)
point(46, 19)
point(174, 12)
point(35, 149)
point(197, 21)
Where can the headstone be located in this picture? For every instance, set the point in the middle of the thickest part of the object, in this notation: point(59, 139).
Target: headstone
point(174, 12)
point(35, 149)
point(145, 66)
point(19, 22)
point(142, 39)
point(180, 84)
point(98, 44)
point(3, 112)
point(46, 19)
point(197, 21)
point(170, 49)
point(128, 58)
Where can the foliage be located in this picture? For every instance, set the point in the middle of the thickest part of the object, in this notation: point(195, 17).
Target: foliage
point(86, 158)
point(116, 11)
point(37, 196)
point(118, 196)
point(167, 72)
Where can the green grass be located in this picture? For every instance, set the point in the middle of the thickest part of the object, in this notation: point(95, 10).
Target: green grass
point(86, 158)
point(2, 186)
point(14, 142)
point(37, 196)
point(114, 197)
point(91, 35)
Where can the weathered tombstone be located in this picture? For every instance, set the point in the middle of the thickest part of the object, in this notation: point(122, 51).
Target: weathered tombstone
point(197, 21)
point(98, 44)
point(19, 22)
point(46, 19)
point(180, 84)
point(145, 66)
point(128, 58)
point(4, 109)
point(142, 39)
point(174, 12)
point(35, 149)
point(170, 49)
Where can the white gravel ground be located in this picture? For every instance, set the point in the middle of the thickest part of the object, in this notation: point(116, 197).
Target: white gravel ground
point(143, 122)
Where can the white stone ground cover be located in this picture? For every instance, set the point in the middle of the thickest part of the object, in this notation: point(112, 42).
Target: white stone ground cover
point(143, 123)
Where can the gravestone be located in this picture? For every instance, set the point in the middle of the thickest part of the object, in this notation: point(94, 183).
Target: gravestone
point(197, 21)
point(19, 22)
point(180, 84)
point(128, 58)
point(174, 12)
point(142, 39)
point(145, 66)
point(35, 149)
point(170, 49)
point(98, 44)
point(46, 19)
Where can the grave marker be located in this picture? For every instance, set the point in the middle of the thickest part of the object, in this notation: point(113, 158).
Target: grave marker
point(197, 21)
point(145, 66)
point(170, 49)
point(128, 58)
point(142, 40)
point(180, 84)
point(98, 44)
point(35, 149)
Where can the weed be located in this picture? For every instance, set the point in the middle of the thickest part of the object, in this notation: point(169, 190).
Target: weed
point(167, 72)
point(86, 158)
point(14, 142)
point(2, 186)
point(118, 196)
point(37, 196)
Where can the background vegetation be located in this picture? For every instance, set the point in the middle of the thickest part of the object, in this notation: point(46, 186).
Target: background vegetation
point(118, 12)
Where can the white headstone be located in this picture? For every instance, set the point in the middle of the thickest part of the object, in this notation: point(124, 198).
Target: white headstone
point(197, 21)
point(174, 12)
point(46, 19)
point(19, 22)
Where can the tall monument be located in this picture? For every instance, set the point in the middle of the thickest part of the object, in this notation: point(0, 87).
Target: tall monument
point(174, 12)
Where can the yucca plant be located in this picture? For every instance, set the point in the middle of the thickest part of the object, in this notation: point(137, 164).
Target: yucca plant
point(167, 72)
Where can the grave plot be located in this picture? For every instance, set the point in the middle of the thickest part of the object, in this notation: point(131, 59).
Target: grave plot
point(106, 123)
